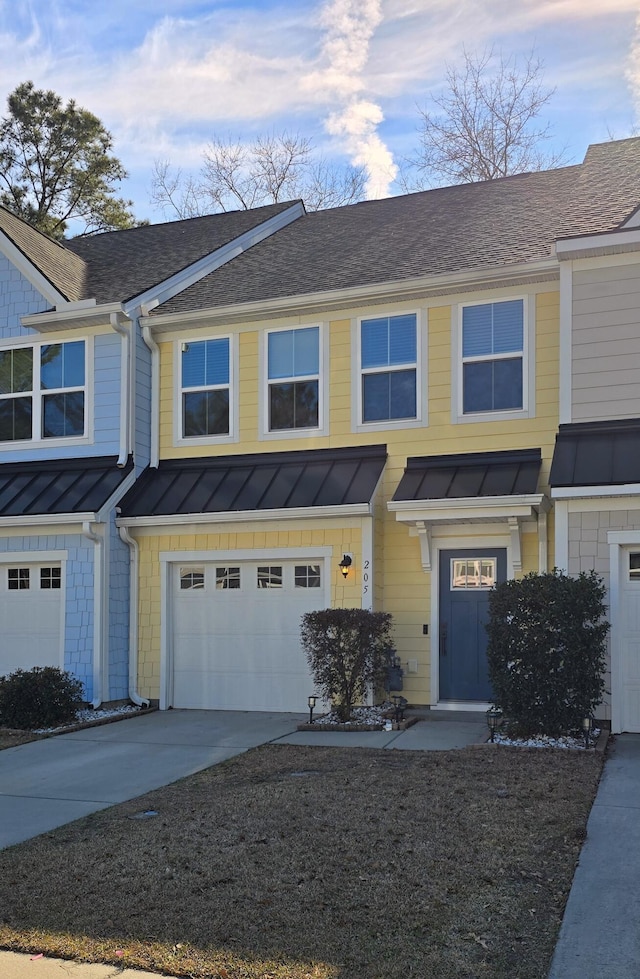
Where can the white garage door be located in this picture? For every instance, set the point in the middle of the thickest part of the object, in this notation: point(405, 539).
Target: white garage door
point(629, 630)
point(236, 634)
point(31, 616)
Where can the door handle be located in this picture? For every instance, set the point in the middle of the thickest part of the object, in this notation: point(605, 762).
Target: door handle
point(443, 639)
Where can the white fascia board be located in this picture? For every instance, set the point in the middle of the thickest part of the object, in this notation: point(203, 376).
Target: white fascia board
point(600, 243)
point(588, 492)
point(468, 508)
point(48, 520)
point(73, 316)
point(170, 287)
point(242, 516)
point(546, 270)
point(39, 281)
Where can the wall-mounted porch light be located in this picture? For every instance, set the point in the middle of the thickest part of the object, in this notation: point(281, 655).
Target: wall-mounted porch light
point(345, 564)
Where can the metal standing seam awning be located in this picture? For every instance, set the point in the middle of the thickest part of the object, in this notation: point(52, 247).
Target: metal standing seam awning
point(474, 487)
point(603, 455)
point(268, 485)
point(64, 490)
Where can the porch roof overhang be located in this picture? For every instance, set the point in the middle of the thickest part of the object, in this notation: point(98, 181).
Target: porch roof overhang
point(64, 491)
point(262, 486)
point(478, 487)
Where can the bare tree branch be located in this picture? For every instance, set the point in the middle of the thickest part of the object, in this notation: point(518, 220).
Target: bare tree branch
point(271, 168)
point(485, 125)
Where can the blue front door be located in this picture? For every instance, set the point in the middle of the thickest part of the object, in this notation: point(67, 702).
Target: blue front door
point(466, 578)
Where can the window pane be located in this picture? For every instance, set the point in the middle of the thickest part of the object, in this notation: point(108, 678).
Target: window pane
point(507, 326)
point(280, 354)
point(62, 365)
point(15, 419)
point(374, 342)
point(63, 415)
point(492, 328)
point(293, 405)
point(16, 370)
point(306, 351)
point(634, 566)
point(477, 332)
point(389, 395)
point(293, 353)
point(507, 384)
point(227, 578)
point(18, 579)
point(477, 382)
point(50, 578)
point(402, 339)
point(206, 363)
point(270, 577)
point(205, 413)
point(191, 579)
point(307, 576)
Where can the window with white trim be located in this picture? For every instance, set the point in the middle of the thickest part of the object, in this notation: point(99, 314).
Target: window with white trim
point(205, 367)
point(42, 391)
point(493, 357)
point(293, 379)
point(388, 368)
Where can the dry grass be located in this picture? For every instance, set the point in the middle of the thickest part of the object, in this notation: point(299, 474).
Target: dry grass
point(303, 862)
point(10, 738)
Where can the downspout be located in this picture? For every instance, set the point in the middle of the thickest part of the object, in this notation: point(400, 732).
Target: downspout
point(125, 388)
point(155, 387)
point(98, 606)
point(132, 544)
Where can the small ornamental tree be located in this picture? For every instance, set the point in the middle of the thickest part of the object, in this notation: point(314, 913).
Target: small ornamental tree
point(546, 652)
point(347, 653)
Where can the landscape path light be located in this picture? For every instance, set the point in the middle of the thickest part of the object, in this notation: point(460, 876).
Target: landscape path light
point(312, 703)
point(494, 719)
point(586, 730)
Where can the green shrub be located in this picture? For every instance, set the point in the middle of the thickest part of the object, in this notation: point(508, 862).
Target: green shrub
point(347, 653)
point(42, 697)
point(546, 652)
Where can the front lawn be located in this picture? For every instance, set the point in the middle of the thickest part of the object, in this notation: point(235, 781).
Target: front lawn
point(315, 863)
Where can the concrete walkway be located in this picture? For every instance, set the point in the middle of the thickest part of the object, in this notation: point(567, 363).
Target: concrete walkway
point(600, 933)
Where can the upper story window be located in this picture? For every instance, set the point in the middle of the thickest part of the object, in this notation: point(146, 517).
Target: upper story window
point(206, 382)
point(293, 379)
point(493, 357)
point(388, 366)
point(42, 391)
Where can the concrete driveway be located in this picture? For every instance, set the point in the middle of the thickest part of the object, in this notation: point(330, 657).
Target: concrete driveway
point(45, 784)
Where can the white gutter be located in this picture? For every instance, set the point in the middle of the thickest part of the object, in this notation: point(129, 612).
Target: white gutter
point(125, 388)
point(155, 388)
point(426, 285)
point(241, 516)
point(98, 612)
point(77, 317)
point(133, 546)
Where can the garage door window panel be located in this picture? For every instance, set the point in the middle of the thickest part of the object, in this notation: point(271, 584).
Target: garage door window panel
point(192, 579)
point(307, 576)
point(227, 579)
point(50, 578)
point(269, 576)
point(18, 579)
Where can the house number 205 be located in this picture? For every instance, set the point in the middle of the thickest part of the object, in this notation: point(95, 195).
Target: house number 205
point(365, 577)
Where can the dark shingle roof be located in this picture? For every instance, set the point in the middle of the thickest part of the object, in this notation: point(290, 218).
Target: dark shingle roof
point(472, 474)
point(63, 486)
point(66, 271)
point(493, 224)
point(597, 454)
point(124, 264)
point(265, 481)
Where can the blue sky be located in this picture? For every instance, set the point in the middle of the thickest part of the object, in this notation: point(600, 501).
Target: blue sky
point(166, 75)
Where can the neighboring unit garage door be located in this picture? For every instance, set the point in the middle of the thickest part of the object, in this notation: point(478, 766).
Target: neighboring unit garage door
point(31, 616)
point(236, 634)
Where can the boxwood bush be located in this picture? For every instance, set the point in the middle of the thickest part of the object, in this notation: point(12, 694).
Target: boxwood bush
point(546, 652)
point(42, 697)
point(347, 653)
